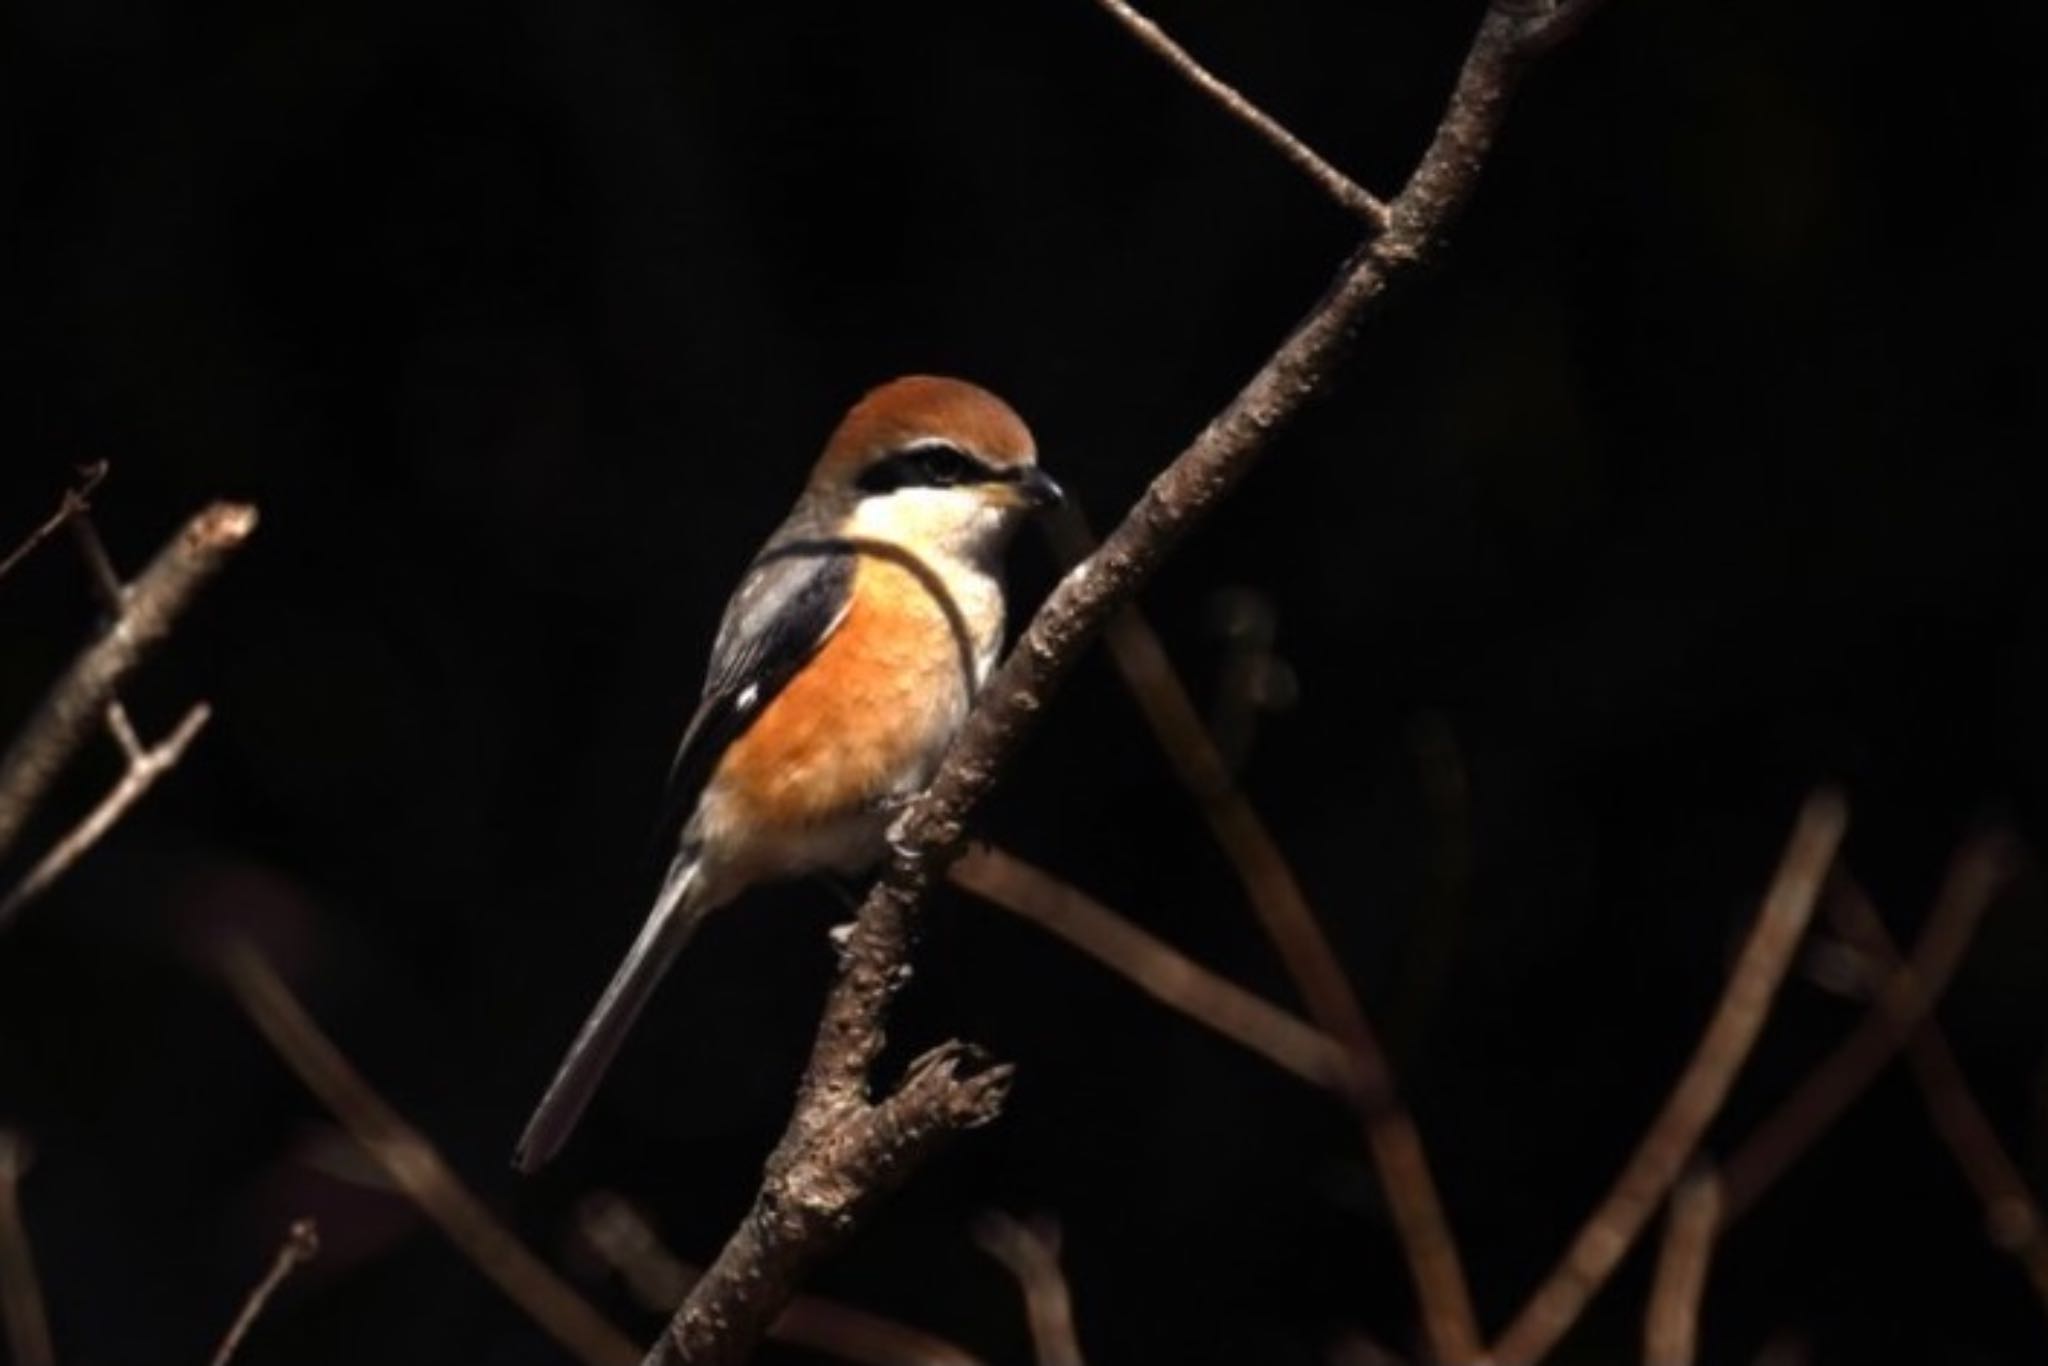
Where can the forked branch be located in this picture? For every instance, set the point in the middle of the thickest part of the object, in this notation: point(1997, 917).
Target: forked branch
point(78, 703)
point(1674, 1135)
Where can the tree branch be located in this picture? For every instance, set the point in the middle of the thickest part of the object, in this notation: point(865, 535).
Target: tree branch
point(2012, 1217)
point(413, 1164)
point(622, 1239)
point(77, 702)
point(1673, 1136)
point(1291, 924)
point(74, 501)
point(301, 1244)
point(1031, 1252)
point(1974, 876)
point(1349, 194)
point(21, 1293)
point(1153, 966)
point(827, 1169)
point(145, 766)
point(1671, 1330)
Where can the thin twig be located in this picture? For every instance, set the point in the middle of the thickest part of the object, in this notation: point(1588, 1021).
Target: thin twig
point(21, 1293)
point(122, 728)
point(1152, 965)
point(414, 1166)
point(74, 501)
point(1671, 1331)
point(623, 1239)
point(99, 565)
point(142, 772)
point(301, 1244)
point(1354, 197)
point(2012, 1216)
point(1296, 932)
point(78, 701)
point(1031, 1251)
point(841, 1151)
point(1974, 876)
point(1673, 1136)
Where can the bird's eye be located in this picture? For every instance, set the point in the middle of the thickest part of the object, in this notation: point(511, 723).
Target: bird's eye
point(931, 465)
point(942, 466)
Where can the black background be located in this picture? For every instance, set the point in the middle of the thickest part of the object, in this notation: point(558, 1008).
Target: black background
point(1699, 468)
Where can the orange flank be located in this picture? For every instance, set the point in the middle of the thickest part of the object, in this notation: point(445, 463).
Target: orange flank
point(839, 735)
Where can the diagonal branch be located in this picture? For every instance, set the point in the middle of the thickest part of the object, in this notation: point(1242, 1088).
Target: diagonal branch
point(413, 1164)
point(74, 502)
point(1391, 1135)
point(1155, 967)
point(78, 701)
point(827, 1170)
point(1348, 193)
point(1674, 1135)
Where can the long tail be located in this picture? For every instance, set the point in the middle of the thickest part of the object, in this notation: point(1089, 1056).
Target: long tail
point(675, 916)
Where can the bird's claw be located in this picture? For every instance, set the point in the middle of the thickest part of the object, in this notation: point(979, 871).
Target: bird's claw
point(841, 936)
point(901, 847)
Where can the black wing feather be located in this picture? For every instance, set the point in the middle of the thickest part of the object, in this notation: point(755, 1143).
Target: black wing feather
point(786, 608)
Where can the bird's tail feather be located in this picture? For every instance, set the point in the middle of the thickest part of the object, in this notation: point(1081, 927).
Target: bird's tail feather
point(675, 916)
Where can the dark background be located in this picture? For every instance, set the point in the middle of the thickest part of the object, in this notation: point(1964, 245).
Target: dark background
point(1699, 468)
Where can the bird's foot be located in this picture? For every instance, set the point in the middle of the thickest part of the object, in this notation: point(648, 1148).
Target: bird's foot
point(898, 810)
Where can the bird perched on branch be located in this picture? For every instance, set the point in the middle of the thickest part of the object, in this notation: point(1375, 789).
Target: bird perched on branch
point(845, 664)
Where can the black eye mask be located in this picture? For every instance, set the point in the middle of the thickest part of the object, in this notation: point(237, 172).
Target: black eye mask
point(930, 464)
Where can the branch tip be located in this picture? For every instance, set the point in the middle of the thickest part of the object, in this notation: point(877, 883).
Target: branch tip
point(1348, 193)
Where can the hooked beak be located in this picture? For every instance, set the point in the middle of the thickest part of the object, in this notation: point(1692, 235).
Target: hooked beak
point(1037, 490)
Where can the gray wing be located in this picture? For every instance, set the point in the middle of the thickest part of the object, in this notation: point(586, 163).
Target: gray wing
point(791, 601)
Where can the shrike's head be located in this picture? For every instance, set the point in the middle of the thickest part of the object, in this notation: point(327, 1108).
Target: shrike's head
point(935, 462)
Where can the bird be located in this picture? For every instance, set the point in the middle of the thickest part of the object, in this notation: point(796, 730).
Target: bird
point(844, 664)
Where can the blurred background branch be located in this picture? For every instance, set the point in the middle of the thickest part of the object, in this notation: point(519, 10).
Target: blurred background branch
point(2012, 1216)
point(413, 1164)
point(1671, 1328)
point(1152, 965)
point(301, 1244)
point(21, 1291)
point(1030, 1250)
point(1291, 925)
point(1675, 1133)
point(1974, 877)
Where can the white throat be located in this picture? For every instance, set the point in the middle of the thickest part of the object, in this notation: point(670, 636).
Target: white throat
point(957, 524)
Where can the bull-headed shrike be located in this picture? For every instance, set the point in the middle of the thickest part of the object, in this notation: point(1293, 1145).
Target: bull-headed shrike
point(845, 664)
